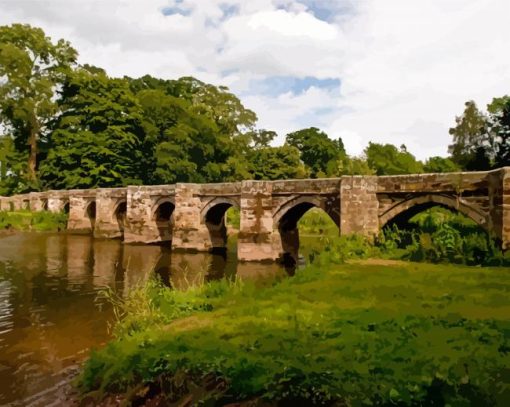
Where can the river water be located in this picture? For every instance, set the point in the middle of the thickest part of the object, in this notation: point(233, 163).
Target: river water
point(51, 315)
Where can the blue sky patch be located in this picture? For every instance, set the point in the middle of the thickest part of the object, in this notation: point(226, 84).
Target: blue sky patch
point(328, 10)
point(276, 85)
point(171, 10)
point(229, 10)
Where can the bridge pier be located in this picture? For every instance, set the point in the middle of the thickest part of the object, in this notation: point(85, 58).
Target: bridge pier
point(359, 206)
point(505, 208)
point(82, 213)
point(257, 240)
point(499, 206)
point(110, 214)
point(37, 201)
point(57, 201)
point(190, 231)
point(149, 214)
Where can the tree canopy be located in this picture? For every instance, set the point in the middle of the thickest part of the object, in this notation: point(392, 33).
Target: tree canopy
point(98, 137)
point(317, 151)
point(32, 67)
point(386, 159)
point(63, 125)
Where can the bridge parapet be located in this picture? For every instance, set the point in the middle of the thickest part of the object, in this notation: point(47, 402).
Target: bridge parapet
point(447, 182)
point(318, 186)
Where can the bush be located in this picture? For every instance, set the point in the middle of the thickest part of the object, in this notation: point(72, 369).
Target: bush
point(438, 235)
point(37, 221)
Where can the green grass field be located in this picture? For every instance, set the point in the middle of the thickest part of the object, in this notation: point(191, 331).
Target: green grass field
point(372, 333)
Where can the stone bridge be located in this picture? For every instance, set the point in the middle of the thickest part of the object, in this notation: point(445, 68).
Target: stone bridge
point(192, 216)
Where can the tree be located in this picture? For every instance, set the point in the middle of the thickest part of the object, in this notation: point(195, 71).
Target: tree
point(273, 163)
point(12, 166)
point(499, 128)
point(199, 133)
point(472, 145)
point(386, 159)
point(261, 138)
point(353, 166)
point(98, 140)
point(440, 164)
point(317, 150)
point(31, 67)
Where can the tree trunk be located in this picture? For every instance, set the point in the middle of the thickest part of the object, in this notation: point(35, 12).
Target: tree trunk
point(32, 157)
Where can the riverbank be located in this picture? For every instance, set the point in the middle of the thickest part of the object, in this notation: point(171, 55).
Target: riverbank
point(335, 334)
point(25, 220)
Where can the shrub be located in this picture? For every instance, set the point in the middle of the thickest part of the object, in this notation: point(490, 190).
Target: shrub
point(37, 221)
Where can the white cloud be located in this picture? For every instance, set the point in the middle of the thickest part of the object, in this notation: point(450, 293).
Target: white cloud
point(406, 67)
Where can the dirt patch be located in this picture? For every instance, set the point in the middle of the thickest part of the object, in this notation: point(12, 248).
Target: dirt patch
point(378, 262)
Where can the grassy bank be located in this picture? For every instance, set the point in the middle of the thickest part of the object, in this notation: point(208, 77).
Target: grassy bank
point(335, 334)
point(35, 221)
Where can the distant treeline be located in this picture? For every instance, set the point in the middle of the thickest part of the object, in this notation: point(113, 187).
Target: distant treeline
point(64, 125)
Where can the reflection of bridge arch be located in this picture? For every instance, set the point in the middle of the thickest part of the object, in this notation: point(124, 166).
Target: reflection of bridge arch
point(405, 210)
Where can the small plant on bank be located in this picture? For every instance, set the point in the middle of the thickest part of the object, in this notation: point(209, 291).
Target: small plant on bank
point(25, 220)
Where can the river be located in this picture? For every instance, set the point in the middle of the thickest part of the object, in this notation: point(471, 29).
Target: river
point(51, 315)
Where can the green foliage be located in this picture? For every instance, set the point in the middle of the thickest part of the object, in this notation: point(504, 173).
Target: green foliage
point(482, 140)
point(317, 222)
point(353, 166)
point(470, 139)
point(440, 164)
point(13, 164)
point(31, 68)
point(233, 217)
point(386, 159)
point(352, 334)
point(439, 235)
point(42, 221)
point(499, 110)
point(197, 132)
point(98, 138)
point(272, 163)
point(262, 138)
point(317, 151)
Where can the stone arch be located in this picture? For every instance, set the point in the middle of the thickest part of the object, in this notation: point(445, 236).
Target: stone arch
point(119, 214)
point(66, 207)
point(286, 218)
point(406, 209)
point(90, 212)
point(304, 203)
point(213, 216)
point(162, 210)
point(162, 215)
point(220, 202)
point(44, 204)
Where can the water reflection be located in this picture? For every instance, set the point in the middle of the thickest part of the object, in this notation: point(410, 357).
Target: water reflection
point(49, 313)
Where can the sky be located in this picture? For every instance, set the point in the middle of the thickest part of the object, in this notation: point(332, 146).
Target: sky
point(392, 71)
